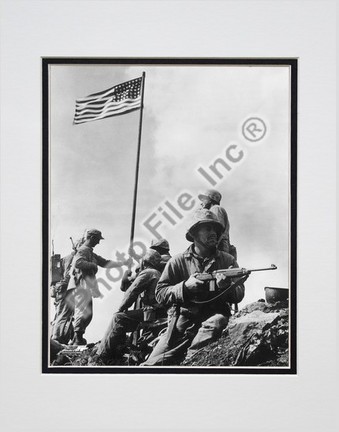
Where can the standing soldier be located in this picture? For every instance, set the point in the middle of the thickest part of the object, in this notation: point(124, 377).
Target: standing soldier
point(198, 316)
point(210, 200)
point(83, 282)
point(64, 301)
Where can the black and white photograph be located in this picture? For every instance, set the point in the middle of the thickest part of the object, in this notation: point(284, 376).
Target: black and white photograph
point(169, 215)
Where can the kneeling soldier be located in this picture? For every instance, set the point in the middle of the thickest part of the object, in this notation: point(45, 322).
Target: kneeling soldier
point(162, 246)
point(112, 345)
point(197, 315)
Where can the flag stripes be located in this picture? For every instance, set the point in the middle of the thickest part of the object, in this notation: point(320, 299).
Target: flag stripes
point(120, 99)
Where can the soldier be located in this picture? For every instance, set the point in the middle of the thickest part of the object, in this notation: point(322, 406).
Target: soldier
point(162, 246)
point(64, 301)
point(211, 200)
point(83, 282)
point(196, 316)
point(112, 346)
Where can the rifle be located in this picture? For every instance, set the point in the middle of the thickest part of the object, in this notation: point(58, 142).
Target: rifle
point(231, 273)
point(73, 245)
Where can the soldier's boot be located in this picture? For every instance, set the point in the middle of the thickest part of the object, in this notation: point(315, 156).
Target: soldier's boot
point(78, 339)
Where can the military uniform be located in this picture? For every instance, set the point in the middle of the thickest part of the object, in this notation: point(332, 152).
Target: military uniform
point(211, 200)
point(112, 344)
point(161, 246)
point(221, 214)
point(192, 325)
point(84, 285)
point(62, 329)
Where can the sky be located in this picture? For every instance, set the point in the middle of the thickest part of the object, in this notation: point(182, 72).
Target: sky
point(193, 117)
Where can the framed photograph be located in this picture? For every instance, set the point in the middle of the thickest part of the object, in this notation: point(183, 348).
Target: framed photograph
point(139, 154)
point(119, 121)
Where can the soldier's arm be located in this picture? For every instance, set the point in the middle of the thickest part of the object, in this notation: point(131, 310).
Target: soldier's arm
point(126, 280)
point(139, 285)
point(81, 261)
point(236, 294)
point(102, 262)
point(170, 288)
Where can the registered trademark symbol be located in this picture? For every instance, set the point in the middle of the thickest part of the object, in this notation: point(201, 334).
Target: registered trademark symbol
point(254, 129)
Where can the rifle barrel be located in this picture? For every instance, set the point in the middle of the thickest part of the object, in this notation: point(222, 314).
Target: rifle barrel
point(273, 267)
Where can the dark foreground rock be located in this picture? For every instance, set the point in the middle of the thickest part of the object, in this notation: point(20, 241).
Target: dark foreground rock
point(256, 336)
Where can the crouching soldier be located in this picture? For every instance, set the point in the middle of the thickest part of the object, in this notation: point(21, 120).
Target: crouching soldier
point(112, 346)
point(83, 282)
point(198, 315)
point(162, 246)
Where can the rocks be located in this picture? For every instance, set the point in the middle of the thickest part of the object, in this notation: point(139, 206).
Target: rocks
point(256, 336)
point(55, 348)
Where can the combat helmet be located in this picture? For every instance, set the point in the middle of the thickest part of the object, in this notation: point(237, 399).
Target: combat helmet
point(94, 233)
point(212, 194)
point(160, 244)
point(200, 217)
point(152, 258)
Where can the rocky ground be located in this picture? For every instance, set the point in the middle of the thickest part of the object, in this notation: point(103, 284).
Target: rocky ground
point(256, 336)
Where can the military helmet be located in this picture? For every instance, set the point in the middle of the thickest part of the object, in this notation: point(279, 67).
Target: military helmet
point(161, 244)
point(212, 194)
point(94, 233)
point(152, 258)
point(202, 216)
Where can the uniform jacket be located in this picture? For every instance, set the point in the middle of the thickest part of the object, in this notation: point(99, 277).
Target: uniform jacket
point(144, 284)
point(66, 265)
point(129, 277)
point(164, 260)
point(171, 290)
point(222, 216)
point(84, 267)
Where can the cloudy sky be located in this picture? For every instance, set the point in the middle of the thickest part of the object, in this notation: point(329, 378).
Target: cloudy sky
point(192, 115)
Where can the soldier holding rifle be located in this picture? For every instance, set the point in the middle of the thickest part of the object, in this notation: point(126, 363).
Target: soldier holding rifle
point(196, 319)
point(83, 282)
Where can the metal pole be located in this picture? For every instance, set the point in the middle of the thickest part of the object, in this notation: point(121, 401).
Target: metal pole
point(137, 161)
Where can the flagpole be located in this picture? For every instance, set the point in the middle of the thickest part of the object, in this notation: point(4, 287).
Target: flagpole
point(137, 161)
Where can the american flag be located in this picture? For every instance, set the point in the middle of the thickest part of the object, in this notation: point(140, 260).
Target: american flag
point(120, 99)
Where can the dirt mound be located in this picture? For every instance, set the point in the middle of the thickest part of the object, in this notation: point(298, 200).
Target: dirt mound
point(256, 336)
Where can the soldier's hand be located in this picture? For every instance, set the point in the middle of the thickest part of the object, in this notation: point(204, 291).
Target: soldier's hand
point(194, 285)
point(128, 262)
point(222, 280)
